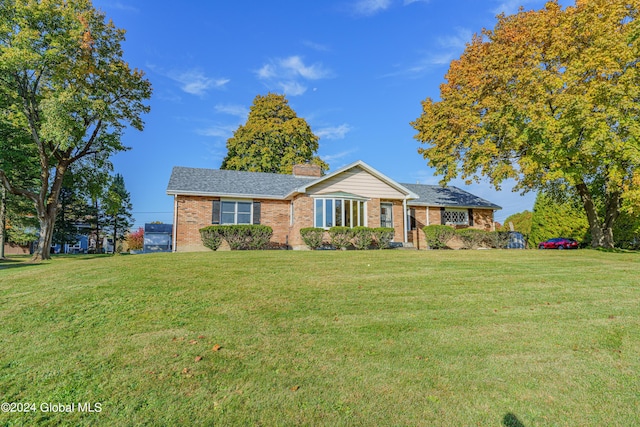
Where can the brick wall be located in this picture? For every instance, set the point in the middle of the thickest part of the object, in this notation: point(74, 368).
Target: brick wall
point(194, 212)
point(482, 220)
point(303, 217)
point(275, 214)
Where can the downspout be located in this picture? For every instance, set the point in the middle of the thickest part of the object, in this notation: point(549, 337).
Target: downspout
point(428, 220)
point(174, 238)
point(406, 225)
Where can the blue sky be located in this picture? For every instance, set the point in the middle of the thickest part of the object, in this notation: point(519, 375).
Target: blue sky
point(355, 70)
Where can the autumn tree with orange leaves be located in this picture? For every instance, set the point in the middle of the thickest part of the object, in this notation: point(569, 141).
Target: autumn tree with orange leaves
point(65, 86)
point(549, 98)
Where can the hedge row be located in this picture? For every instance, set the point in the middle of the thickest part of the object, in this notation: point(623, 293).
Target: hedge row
point(437, 237)
point(237, 236)
point(361, 238)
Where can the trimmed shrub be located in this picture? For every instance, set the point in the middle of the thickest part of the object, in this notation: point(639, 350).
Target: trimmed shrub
point(383, 236)
point(498, 239)
point(362, 237)
point(212, 236)
point(437, 235)
point(247, 236)
point(472, 238)
point(340, 236)
point(312, 237)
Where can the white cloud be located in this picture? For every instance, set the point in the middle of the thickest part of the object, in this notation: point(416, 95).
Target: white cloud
point(335, 132)
point(316, 46)
point(289, 74)
point(448, 48)
point(457, 41)
point(296, 66)
point(221, 131)
point(195, 82)
point(293, 67)
point(233, 110)
point(371, 7)
point(333, 157)
point(509, 7)
point(121, 6)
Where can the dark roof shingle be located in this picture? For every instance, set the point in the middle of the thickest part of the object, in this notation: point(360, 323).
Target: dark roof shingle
point(228, 182)
point(435, 195)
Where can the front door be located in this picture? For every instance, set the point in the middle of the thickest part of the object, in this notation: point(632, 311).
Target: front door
point(386, 215)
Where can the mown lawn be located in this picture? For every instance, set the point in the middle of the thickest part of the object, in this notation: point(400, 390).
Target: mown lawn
point(400, 338)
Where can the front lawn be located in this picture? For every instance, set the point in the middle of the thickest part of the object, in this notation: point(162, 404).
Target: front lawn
point(448, 338)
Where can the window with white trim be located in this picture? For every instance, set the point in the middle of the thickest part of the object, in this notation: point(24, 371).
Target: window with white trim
point(330, 212)
point(236, 212)
point(456, 216)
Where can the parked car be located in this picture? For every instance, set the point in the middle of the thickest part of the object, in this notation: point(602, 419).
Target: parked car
point(558, 243)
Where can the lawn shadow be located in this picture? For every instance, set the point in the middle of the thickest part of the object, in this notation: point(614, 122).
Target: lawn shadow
point(510, 420)
point(15, 263)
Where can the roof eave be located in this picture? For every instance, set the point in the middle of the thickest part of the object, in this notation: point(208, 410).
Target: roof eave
point(230, 195)
point(435, 205)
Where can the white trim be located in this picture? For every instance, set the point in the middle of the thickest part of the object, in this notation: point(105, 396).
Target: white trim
point(235, 196)
point(408, 193)
point(428, 219)
point(235, 213)
point(406, 223)
point(291, 211)
point(174, 238)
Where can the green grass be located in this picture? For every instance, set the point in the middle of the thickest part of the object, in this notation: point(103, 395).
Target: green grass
point(400, 338)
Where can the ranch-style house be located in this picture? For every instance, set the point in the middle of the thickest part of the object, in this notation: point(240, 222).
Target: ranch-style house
point(355, 195)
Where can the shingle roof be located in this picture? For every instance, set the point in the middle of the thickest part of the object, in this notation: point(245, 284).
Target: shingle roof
point(233, 183)
point(435, 195)
point(216, 182)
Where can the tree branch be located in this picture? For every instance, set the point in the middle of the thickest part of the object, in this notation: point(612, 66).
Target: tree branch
point(4, 180)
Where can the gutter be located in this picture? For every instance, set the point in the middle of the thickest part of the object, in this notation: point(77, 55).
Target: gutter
point(406, 224)
point(174, 238)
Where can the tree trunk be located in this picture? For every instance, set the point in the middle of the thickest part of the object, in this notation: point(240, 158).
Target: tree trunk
point(47, 208)
point(3, 219)
point(43, 250)
point(601, 233)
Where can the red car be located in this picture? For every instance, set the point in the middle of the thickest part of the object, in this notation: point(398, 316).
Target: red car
point(558, 243)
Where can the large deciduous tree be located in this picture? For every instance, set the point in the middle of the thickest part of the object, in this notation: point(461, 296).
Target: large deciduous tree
point(549, 98)
point(66, 84)
point(273, 139)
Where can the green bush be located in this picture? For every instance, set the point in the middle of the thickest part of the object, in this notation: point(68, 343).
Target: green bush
point(472, 238)
point(312, 237)
point(247, 236)
point(362, 237)
point(498, 239)
point(437, 235)
point(340, 236)
point(212, 236)
point(383, 236)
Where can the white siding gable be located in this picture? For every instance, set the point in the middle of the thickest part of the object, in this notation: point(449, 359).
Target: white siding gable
point(356, 181)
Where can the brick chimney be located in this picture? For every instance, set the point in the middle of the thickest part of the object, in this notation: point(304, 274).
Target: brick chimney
point(307, 169)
